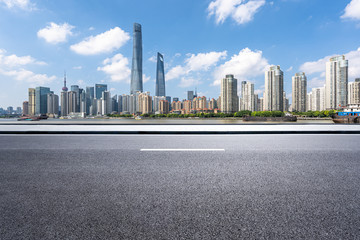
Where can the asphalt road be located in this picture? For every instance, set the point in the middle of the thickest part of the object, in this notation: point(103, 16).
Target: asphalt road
point(251, 187)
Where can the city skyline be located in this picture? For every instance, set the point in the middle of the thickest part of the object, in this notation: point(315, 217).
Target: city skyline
point(199, 61)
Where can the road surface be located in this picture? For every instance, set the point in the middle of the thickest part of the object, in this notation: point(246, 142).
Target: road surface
point(179, 186)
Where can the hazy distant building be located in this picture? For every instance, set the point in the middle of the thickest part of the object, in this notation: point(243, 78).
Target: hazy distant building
point(64, 103)
point(25, 108)
point(99, 89)
point(136, 69)
point(106, 103)
point(229, 97)
point(41, 99)
point(309, 102)
point(160, 76)
point(354, 92)
point(76, 90)
point(31, 101)
point(190, 95)
point(336, 95)
point(274, 88)
point(89, 99)
point(299, 89)
point(52, 103)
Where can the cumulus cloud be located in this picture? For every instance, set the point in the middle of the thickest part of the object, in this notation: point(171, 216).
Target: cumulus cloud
point(195, 63)
point(241, 11)
point(105, 42)
point(13, 60)
point(23, 75)
point(56, 33)
point(247, 64)
point(22, 4)
point(117, 68)
point(352, 10)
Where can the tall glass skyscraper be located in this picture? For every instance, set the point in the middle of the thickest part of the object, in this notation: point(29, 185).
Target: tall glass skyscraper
point(160, 76)
point(99, 89)
point(41, 99)
point(136, 70)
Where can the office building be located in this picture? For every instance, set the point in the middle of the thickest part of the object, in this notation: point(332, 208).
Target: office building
point(354, 92)
point(41, 100)
point(229, 97)
point(136, 84)
point(52, 104)
point(160, 76)
point(76, 90)
point(190, 95)
point(25, 108)
point(299, 89)
point(72, 100)
point(99, 89)
point(336, 95)
point(106, 103)
point(31, 101)
point(89, 99)
point(274, 89)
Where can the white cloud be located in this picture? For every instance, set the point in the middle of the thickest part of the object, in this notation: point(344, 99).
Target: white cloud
point(319, 66)
point(77, 67)
point(13, 60)
point(352, 10)
point(80, 82)
point(91, 28)
point(56, 33)
point(194, 63)
point(153, 59)
point(103, 43)
point(289, 69)
point(241, 11)
point(22, 4)
point(188, 82)
point(117, 68)
point(247, 64)
point(145, 78)
point(316, 82)
point(23, 75)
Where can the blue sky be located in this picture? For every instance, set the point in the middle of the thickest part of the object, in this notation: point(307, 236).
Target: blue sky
point(201, 41)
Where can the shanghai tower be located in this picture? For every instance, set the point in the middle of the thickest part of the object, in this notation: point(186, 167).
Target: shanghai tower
point(160, 77)
point(136, 70)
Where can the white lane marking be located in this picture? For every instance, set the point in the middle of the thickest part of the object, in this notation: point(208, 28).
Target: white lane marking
point(182, 150)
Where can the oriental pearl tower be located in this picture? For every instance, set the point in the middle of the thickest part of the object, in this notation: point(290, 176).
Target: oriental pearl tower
point(65, 89)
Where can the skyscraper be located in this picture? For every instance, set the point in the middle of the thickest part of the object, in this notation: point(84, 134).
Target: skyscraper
point(41, 99)
point(99, 89)
point(89, 99)
point(31, 101)
point(106, 103)
point(190, 95)
point(229, 97)
point(25, 110)
point(72, 102)
point(299, 89)
point(136, 69)
point(160, 76)
point(336, 83)
point(274, 89)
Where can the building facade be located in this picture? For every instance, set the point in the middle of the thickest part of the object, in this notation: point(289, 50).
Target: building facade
point(41, 99)
point(354, 92)
point(160, 76)
point(31, 101)
point(336, 95)
point(299, 90)
point(274, 88)
point(136, 69)
point(229, 97)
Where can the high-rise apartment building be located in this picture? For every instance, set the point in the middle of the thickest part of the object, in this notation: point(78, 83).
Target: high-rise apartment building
point(164, 107)
point(41, 99)
point(212, 104)
point(176, 105)
point(136, 69)
point(156, 102)
point(336, 95)
point(354, 92)
point(72, 102)
point(187, 106)
point(160, 76)
point(229, 97)
point(299, 90)
point(274, 89)
point(25, 108)
point(31, 101)
point(247, 96)
point(145, 102)
point(199, 103)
